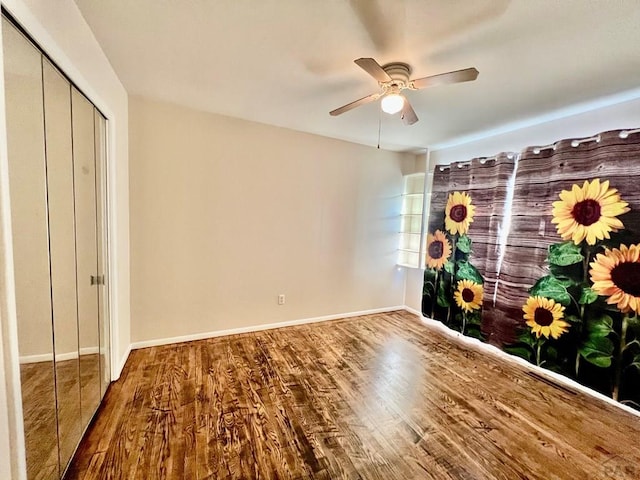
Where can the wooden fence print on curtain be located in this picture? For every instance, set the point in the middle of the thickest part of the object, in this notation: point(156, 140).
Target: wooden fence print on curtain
point(566, 295)
point(485, 182)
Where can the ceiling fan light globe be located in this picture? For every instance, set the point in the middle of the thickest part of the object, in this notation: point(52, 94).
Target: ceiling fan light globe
point(392, 103)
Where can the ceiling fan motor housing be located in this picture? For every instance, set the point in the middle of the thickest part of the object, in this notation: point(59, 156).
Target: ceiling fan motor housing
point(400, 73)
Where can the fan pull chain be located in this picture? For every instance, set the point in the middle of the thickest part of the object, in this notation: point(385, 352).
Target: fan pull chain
point(379, 125)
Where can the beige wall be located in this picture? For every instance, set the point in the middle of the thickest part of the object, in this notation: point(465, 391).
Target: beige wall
point(227, 214)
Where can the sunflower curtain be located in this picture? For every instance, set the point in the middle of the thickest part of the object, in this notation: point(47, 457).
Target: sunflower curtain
point(541, 257)
point(570, 284)
point(466, 222)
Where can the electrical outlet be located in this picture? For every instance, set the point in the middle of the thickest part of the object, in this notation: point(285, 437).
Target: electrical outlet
point(281, 299)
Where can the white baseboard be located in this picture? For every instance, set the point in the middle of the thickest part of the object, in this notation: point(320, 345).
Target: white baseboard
point(257, 328)
point(44, 357)
point(413, 310)
point(60, 357)
point(493, 350)
point(116, 375)
point(88, 351)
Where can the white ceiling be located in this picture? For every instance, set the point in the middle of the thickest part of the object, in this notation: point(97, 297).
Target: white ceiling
point(289, 62)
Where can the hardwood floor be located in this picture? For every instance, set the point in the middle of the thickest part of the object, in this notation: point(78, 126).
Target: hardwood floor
point(373, 397)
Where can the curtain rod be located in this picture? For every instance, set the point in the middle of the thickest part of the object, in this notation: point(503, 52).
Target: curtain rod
point(537, 150)
point(482, 161)
point(626, 133)
point(552, 146)
point(579, 141)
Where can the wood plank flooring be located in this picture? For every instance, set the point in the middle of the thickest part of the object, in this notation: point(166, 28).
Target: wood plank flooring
point(373, 397)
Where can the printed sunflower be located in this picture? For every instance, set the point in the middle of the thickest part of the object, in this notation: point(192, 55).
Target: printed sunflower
point(458, 213)
point(545, 317)
point(468, 295)
point(616, 274)
point(438, 250)
point(589, 212)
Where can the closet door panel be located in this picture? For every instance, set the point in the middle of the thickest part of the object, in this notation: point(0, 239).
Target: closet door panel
point(28, 193)
point(57, 114)
point(84, 174)
point(101, 211)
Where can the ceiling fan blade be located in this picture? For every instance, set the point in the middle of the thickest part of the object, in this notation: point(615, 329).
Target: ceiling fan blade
point(408, 114)
point(373, 68)
point(465, 75)
point(357, 103)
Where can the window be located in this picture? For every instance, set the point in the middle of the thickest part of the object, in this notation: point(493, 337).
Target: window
point(410, 249)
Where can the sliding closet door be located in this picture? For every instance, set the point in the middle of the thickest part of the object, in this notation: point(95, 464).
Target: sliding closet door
point(30, 228)
point(57, 116)
point(84, 175)
point(100, 132)
point(57, 176)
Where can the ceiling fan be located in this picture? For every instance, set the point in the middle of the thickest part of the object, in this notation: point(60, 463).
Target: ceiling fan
point(393, 78)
